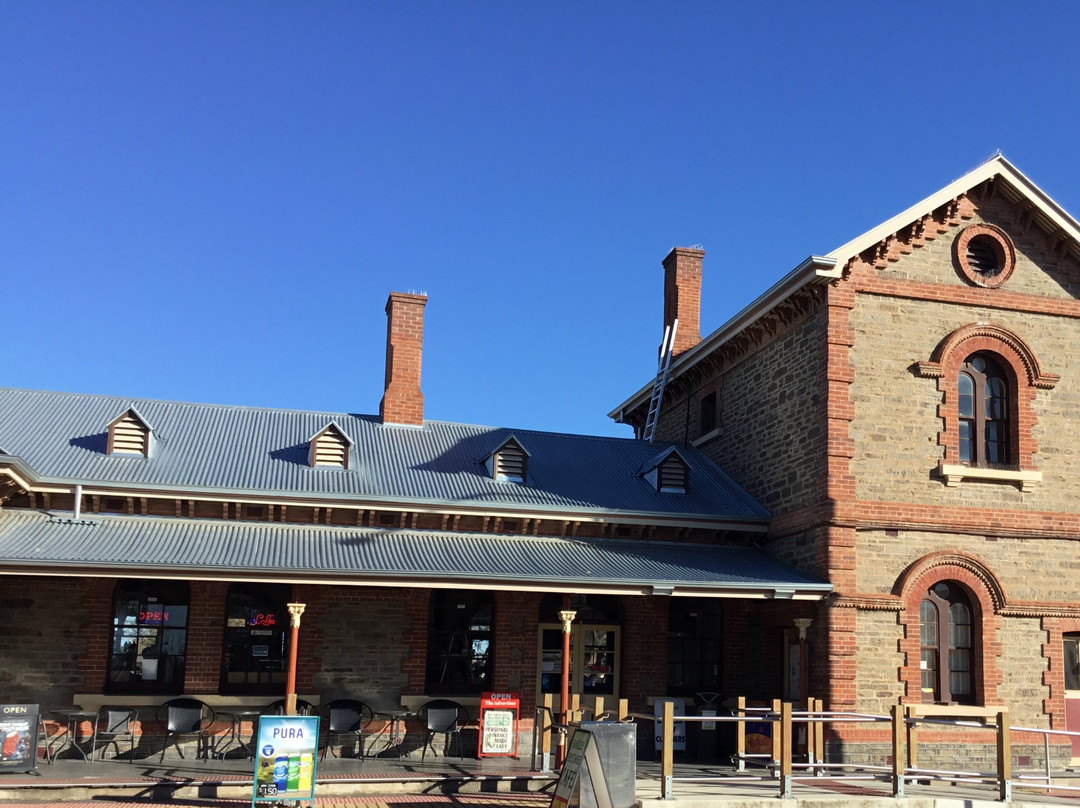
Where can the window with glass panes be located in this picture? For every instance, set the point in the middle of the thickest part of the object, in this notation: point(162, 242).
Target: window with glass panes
point(460, 631)
point(947, 637)
point(149, 637)
point(256, 632)
point(695, 629)
point(983, 412)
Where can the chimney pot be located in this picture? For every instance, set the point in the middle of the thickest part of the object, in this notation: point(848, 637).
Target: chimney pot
point(402, 401)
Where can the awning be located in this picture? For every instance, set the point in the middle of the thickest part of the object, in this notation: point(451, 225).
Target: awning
point(32, 542)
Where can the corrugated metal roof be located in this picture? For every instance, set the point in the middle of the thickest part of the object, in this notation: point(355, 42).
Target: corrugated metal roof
point(239, 550)
point(62, 437)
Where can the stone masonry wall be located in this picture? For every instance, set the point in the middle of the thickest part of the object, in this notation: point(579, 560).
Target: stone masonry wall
point(362, 648)
point(41, 620)
point(896, 410)
point(769, 434)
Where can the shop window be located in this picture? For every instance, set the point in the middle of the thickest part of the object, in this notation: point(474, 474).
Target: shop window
point(460, 631)
point(1072, 661)
point(695, 633)
point(983, 412)
point(256, 631)
point(149, 637)
point(947, 638)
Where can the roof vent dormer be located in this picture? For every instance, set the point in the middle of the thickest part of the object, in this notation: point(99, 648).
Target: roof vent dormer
point(330, 448)
point(510, 462)
point(668, 472)
point(130, 434)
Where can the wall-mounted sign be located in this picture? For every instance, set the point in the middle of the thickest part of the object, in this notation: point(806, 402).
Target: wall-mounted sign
point(18, 737)
point(285, 758)
point(498, 724)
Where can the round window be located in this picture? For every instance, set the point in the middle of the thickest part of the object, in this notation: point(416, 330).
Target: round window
point(985, 255)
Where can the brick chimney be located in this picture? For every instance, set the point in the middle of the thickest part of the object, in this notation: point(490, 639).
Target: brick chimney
point(682, 295)
point(402, 401)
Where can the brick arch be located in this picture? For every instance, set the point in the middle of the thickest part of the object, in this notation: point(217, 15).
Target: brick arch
point(987, 597)
point(1020, 365)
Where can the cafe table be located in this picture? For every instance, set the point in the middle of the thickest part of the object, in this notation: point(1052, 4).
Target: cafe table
point(73, 719)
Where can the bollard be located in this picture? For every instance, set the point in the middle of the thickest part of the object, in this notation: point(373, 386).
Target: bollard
point(667, 753)
point(785, 750)
point(897, 750)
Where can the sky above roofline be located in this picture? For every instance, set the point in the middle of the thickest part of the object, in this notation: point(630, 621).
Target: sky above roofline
point(211, 202)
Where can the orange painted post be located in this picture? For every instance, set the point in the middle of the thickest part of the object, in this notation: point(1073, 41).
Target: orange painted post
point(295, 610)
point(567, 616)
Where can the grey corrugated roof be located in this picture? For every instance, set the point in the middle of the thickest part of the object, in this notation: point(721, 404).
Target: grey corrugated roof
point(62, 437)
point(236, 550)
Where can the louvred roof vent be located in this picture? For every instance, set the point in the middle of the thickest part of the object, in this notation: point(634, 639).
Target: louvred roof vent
point(130, 434)
point(330, 448)
point(510, 462)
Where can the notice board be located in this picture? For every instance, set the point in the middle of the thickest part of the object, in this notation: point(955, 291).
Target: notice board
point(18, 737)
point(498, 724)
point(285, 758)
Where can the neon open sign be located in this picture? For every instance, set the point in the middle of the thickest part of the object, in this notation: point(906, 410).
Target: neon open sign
point(156, 618)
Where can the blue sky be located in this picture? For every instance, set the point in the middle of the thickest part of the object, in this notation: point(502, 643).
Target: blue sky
point(210, 201)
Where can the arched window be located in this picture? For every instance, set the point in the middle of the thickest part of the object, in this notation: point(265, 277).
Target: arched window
point(983, 412)
point(149, 637)
point(256, 623)
point(947, 637)
point(460, 630)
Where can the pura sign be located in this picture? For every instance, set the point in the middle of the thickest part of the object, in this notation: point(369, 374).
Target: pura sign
point(18, 737)
point(285, 756)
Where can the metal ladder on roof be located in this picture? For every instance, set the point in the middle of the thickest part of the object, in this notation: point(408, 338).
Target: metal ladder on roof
point(660, 381)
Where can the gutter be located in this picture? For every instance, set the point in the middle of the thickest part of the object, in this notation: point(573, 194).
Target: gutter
point(815, 270)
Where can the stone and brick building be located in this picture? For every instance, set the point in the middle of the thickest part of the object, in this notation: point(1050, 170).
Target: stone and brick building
point(149, 549)
point(908, 409)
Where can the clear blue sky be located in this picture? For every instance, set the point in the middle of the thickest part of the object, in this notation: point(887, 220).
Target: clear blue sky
point(210, 201)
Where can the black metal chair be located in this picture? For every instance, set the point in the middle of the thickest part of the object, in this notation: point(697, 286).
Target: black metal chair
point(112, 724)
point(278, 707)
point(185, 718)
point(442, 717)
point(345, 718)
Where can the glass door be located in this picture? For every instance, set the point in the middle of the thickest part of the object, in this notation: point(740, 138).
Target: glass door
point(594, 660)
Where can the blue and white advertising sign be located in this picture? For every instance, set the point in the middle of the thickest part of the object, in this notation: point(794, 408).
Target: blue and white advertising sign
point(285, 754)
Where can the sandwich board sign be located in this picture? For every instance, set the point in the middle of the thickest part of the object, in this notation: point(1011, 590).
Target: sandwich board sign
point(285, 755)
point(18, 737)
point(498, 724)
point(582, 750)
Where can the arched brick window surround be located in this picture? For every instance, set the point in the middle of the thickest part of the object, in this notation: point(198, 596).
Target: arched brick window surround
point(986, 597)
point(1021, 368)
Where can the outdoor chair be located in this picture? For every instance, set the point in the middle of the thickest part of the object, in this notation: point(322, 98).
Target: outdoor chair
point(112, 724)
point(278, 707)
point(442, 717)
point(346, 719)
point(186, 718)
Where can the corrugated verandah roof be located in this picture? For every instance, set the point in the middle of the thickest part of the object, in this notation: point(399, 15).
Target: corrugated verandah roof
point(33, 541)
point(238, 450)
